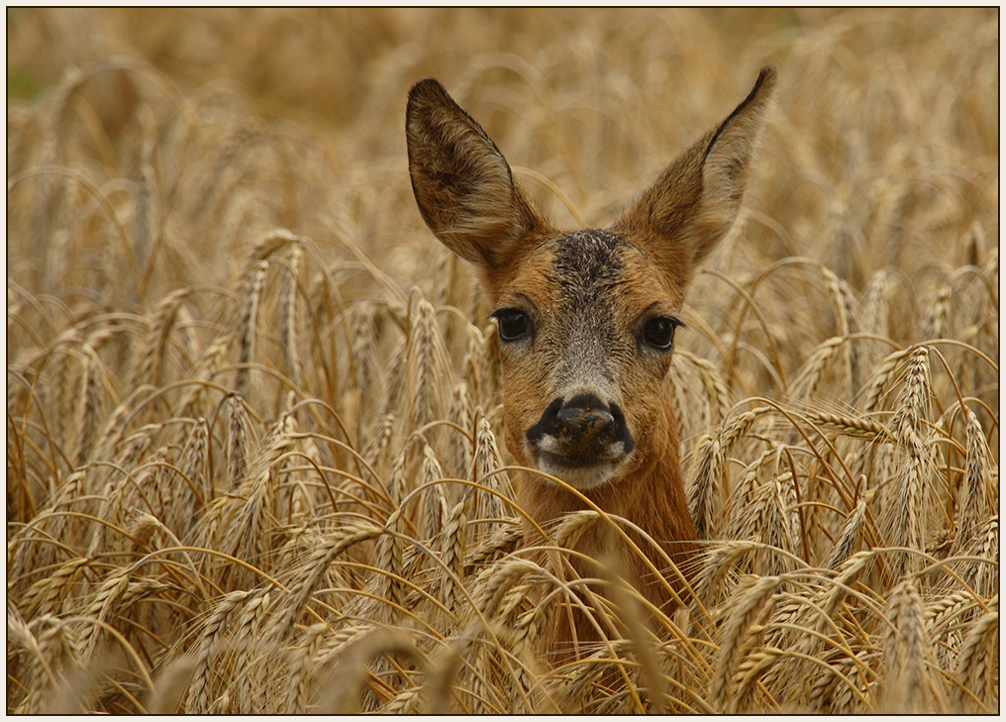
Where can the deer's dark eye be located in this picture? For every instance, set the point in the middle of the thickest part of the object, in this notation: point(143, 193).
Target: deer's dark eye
point(658, 332)
point(513, 324)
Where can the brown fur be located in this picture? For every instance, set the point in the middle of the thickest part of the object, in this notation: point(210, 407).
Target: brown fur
point(587, 295)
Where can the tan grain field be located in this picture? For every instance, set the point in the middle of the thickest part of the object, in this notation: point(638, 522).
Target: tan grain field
point(255, 460)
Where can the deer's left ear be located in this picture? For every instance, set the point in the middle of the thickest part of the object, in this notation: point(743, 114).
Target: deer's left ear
point(695, 201)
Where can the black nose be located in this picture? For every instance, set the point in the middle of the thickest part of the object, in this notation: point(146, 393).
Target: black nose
point(584, 421)
point(584, 428)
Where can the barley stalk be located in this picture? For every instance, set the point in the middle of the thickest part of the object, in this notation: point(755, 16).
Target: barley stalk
point(311, 573)
point(435, 503)
point(452, 549)
point(462, 413)
point(492, 590)
point(252, 688)
point(46, 596)
point(717, 563)
point(713, 384)
point(881, 376)
point(206, 367)
point(972, 506)
point(845, 311)
point(109, 594)
point(247, 319)
point(59, 661)
point(289, 314)
point(302, 667)
point(199, 698)
point(151, 357)
point(905, 647)
point(978, 663)
point(237, 440)
point(855, 426)
point(874, 318)
point(486, 461)
point(169, 687)
point(390, 560)
point(983, 576)
point(347, 681)
point(937, 322)
point(706, 490)
point(850, 536)
point(810, 375)
point(907, 498)
point(379, 442)
point(503, 542)
point(740, 633)
point(193, 490)
point(89, 406)
point(426, 361)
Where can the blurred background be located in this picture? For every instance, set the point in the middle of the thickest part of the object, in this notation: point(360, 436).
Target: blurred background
point(307, 106)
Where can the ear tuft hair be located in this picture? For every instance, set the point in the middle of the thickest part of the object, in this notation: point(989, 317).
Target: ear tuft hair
point(463, 185)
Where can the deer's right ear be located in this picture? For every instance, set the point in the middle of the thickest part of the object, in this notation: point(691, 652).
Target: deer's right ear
point(463, 184)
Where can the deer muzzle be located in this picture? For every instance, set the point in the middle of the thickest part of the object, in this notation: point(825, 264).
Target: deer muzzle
point(580, 433)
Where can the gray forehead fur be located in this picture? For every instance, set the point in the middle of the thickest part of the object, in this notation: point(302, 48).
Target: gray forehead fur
point(587, 265)
point(587, 261)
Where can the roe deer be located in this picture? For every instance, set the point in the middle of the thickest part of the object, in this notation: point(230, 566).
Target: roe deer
point(586, 321)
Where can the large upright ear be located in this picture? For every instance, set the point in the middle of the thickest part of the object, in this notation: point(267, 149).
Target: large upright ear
point(695, 201)
point(463, 185)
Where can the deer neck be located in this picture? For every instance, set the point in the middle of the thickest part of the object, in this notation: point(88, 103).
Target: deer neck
point(651, 496)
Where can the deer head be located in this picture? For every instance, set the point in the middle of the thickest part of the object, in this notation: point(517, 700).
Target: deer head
point(587, 318)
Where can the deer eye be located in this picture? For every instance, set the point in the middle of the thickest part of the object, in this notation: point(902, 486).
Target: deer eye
point(513, 324)
point(658, 332)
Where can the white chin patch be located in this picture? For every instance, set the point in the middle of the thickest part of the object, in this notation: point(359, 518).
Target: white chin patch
point(581, 477)
point(549, 458)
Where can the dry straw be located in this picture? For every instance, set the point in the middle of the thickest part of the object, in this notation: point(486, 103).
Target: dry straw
point(256, 450)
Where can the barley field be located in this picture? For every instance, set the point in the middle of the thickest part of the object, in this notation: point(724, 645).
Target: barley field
point(255, 459)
